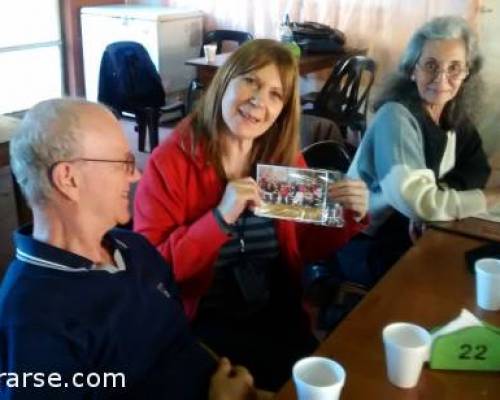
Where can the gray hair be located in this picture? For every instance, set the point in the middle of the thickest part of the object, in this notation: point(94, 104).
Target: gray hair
point(48, 133)
point(400, 87)
point(442, 28)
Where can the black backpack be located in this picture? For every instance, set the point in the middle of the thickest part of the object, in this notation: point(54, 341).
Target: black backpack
point(128, 79)
point(313, 37)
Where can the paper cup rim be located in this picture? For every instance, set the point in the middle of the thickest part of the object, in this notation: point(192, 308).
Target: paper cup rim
point(480, 268)
point(339, 369)
point(424, 333)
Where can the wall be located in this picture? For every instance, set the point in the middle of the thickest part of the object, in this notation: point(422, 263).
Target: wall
point(489, 30)
point(382, 26)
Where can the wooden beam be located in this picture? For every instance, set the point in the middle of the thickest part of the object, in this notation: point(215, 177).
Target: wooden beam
point(72, 42)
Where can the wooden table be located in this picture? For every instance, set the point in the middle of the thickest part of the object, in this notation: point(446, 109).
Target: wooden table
point(428, 286)
point(308, 62)
point(472, 227)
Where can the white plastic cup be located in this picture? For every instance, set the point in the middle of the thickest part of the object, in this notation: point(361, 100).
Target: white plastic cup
point(407, 347)
point(209, 50)
point(318, 378)
point(488, 283)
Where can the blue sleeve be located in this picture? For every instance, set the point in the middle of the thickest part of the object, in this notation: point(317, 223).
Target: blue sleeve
point(392, 150)
point(183, 373)
point(147, 258)
point(36, 357)
point(160, 266)
point(397, 140)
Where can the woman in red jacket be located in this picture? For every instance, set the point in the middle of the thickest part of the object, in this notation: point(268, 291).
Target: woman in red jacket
point(239, 274)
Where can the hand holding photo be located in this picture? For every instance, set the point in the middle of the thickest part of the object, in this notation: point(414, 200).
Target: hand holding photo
point(299, 194)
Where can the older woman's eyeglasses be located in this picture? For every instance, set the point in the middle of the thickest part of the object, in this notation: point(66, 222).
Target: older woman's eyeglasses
point(129, 163)
point(453, 71)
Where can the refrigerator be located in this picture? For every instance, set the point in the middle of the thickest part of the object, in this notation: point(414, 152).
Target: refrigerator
point(171, 35)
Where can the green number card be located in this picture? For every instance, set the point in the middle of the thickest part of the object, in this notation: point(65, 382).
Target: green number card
point(475, 348)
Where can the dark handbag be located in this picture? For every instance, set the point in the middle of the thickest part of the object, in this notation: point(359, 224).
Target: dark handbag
point(314, 37)
point(254, 282)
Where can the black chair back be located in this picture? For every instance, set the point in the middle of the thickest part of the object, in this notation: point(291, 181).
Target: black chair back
point(327, 154)
point(342, 98)
point(324, 286)
point(128, 79)
point(129, 82)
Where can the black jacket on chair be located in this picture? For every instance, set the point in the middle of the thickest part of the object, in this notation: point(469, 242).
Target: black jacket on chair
point(129, 82)
point(128, 79)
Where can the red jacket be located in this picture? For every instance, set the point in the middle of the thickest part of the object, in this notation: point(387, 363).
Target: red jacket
point(173, 209)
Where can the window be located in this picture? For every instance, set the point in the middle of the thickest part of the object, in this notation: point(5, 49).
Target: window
point(30, 53)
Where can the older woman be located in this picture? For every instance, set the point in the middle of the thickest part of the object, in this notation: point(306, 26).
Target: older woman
point(239, 273)
point(421, 157)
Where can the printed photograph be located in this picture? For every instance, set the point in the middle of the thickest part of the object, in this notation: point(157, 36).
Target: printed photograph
point(296, 193)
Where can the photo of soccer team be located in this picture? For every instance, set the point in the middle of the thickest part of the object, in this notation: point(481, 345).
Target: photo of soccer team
point(292, 193)
point(299, 194)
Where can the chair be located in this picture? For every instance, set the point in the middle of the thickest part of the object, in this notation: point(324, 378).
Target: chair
point(327, 154)
point(219, 37)
point(130, 83)
point(342, 99)
point(324, 287)
point(316, 129)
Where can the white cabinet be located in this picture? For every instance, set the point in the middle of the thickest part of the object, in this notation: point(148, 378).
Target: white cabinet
point(170, 35)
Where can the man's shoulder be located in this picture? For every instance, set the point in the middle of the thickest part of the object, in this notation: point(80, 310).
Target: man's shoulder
point(128, 238)
point(136, 245)
point(142, 254)
point(24, 295)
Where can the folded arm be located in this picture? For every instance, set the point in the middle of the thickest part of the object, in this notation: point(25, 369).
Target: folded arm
point(411, 187)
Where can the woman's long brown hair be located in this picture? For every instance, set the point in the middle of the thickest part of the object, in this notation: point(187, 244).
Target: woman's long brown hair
point(280, 144)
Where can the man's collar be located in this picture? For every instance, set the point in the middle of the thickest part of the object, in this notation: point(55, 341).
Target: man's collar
point(42, 254)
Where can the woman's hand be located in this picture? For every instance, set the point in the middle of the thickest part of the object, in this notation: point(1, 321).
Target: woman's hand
point(239, 194)
point(231, 383)
point(352, 194)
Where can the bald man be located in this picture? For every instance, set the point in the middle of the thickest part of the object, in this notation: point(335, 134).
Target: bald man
point(88, 311)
